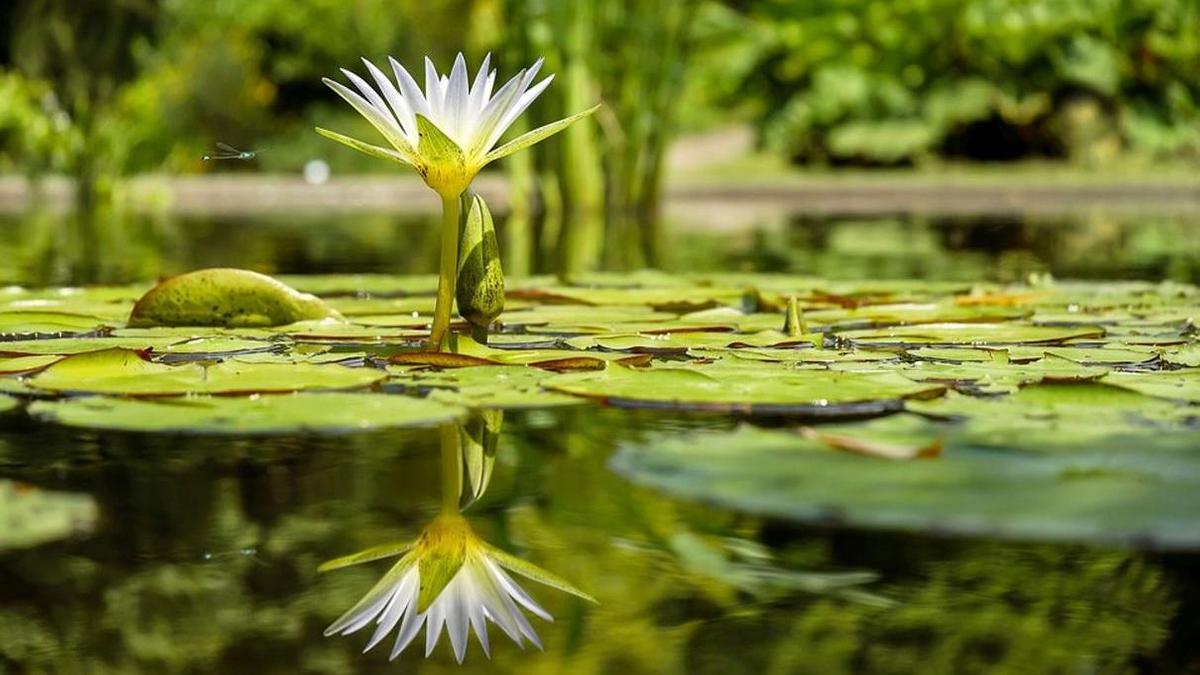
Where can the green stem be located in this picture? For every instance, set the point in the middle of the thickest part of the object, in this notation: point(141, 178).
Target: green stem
point(447, 272)
point(451, 468)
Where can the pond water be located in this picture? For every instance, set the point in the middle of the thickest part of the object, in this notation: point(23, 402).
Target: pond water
point(205, 555)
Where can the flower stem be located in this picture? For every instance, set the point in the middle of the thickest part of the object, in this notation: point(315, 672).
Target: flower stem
point(447, 272)
point(451, 467)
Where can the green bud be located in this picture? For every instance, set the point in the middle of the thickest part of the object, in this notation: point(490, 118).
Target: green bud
point(794, 325)
point(479, 437)
point(480, 287)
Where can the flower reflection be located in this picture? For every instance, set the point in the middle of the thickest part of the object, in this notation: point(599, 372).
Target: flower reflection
point(448, 577)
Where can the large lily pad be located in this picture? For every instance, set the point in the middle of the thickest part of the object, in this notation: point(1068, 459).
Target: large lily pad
point(125, 372)
point(1105, 497)
point(304, 412)
point(746, 389)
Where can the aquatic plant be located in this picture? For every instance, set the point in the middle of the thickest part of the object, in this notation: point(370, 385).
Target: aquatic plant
point(448, 132)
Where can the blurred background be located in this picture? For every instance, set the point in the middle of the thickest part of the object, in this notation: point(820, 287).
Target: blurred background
point(929, 139)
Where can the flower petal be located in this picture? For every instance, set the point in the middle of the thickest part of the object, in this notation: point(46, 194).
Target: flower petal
point(385, 125)
point(403, 111)
point(516, 592)
point(456, 98)
point(396, 607)
point(410, 89)
point(514, 111)
point(434, 92)
point(373, 602)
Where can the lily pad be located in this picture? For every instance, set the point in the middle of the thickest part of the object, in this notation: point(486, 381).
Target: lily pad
point(30, 516)
point(125, 372)
point(993, 334)
point(274, 414)
point(494, 387)
point(746, 389)
point(8, 403)
point(1102, 497)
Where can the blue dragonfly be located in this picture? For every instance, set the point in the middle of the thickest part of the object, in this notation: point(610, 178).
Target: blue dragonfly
point(226, 151)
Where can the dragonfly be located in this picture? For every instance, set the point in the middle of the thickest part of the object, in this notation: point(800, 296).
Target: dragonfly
point(227, 151)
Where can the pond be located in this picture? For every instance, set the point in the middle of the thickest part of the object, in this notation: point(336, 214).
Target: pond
point(716, 535)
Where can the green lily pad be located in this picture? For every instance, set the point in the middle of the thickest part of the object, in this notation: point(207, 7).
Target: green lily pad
point(26, 364)
point(128, 373)
point(30, 516)
point(1099, 497)
point(274, 414)
point(31, 322)
point(8, 403)
point(747, 389)
point(1178, 385)
point(226, 297)
point(992, 334)
point(493, 387)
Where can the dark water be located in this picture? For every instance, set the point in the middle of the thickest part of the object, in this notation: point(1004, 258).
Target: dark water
point(205, 558)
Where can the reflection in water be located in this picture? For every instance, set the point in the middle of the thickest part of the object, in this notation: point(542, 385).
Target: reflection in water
point(449, 576)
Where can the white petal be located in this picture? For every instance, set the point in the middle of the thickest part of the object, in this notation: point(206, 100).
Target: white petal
point(436, 617)
point(410, 89)
point(513, 589)
point(456, 98)
point(404, 113)
point(477, 615)
point(395, 609)
point(492, 112)
point(385, 125)
point(371, 95)
point(408, 629)
point(348, 624)
point(456, 617)
point(515, 111)
point(434, 92)
point(477, 97)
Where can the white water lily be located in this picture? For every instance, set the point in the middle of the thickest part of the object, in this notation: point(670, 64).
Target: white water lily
point(448, 131)
point(447, 578)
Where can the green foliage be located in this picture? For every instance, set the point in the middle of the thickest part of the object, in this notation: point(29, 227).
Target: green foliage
point(872, 81)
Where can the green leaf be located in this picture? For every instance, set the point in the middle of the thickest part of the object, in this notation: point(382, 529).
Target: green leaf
point(435, 147)
point(537, 135)
point(531, 571)
point(128, 373)
point(368, 555)
point(277, 414)
point(436, 570)
point(366, 148)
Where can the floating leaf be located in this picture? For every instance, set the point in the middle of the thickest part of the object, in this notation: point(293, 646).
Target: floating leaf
point(746, 389)
point(274, 414)
point(992, 334)
point(500, 387)
point(1102, 497)
point(129, 373)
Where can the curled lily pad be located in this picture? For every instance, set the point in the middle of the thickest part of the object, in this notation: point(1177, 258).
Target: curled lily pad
point(288, 413)
point(226, 297)
point(30, 516)
point(746, 389)
point(125, 372)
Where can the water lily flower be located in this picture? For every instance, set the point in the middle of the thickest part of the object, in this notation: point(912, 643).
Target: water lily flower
point(447, 578)
point(447, 132)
